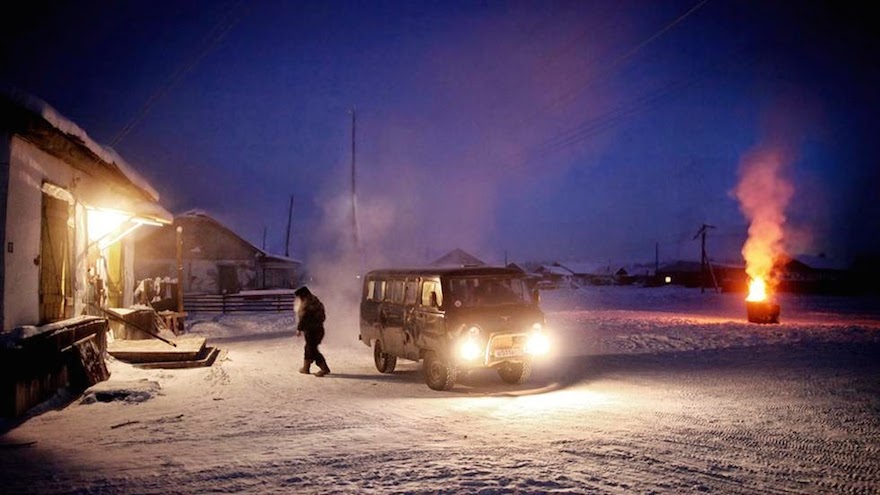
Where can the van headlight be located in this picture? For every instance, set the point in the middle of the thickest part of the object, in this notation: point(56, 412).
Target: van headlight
point(470, 348)
point(538, 343)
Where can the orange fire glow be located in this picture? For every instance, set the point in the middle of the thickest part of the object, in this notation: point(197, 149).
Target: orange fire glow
point(757, 290)
point(764, 194)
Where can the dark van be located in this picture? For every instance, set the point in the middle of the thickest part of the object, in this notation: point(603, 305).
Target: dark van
point(455, 319)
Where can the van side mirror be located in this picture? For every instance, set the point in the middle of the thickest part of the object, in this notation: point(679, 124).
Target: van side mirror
point(434, 302)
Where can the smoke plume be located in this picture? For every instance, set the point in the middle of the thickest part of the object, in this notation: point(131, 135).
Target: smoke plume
point(763, 192)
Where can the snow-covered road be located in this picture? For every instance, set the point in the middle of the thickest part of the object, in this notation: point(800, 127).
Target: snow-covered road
point(663, 391)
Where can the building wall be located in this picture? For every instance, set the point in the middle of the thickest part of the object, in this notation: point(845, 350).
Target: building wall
point(207, 246)
point(4, 194)
point(202, 239)
point(199, 276)
point(28, 169)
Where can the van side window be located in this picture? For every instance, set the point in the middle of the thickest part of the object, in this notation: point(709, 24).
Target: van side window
point(459, 290)
point(396, 292)
point(412, 292)
point(375, 290)
point(428, 287)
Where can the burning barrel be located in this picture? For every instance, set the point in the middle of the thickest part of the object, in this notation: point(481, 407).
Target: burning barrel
point(762, 312)
point(758, 306)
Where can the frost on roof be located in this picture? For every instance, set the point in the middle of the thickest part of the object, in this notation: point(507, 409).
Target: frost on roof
point(66, 126)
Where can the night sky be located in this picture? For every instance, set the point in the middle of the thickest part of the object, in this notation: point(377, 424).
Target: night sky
point(537, 130)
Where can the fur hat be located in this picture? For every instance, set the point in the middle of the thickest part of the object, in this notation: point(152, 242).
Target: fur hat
point(302, 292)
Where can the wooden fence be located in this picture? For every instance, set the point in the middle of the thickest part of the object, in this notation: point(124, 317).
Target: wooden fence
point(238, 303)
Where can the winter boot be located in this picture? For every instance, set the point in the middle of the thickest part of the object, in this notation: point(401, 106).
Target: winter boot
point(306, 367)
point(325, 370)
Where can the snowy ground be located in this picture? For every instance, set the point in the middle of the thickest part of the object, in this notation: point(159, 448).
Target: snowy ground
point(651, 391)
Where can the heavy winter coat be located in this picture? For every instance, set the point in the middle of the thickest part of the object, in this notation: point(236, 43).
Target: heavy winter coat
point(310, 316)
point(310, 321)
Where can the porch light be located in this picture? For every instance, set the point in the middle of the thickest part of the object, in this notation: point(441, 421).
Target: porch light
point(102, 222)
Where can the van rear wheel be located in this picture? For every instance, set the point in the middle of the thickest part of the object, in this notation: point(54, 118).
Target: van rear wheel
point(385, 363)
point(439, 375)
point(515, 373)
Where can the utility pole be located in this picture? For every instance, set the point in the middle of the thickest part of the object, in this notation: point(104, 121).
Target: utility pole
point(179, 323)
point(656, 258)
point(354, 221)
point(264, 237)
point(287, 236)
point(704, 259)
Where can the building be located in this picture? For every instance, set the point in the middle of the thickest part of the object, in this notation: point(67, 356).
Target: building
point(68, 207)
point(555, 276)
point(458, 257)
point(587, 273)
point(214, 258)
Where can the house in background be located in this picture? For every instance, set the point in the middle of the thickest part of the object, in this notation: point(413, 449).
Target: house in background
point(215, 259)
point(458, 257)
point(817, 275)
point(554, 276)
point(68, 207)
point(693, 274)
point(587, 273)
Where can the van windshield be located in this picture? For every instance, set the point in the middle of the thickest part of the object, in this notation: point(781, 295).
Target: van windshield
point(483, 291)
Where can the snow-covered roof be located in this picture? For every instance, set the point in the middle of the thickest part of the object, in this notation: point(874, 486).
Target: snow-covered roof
point(66, 126)
point(681, 266)
point(198, 213)
point(554, 270)
point(457, 257)
point(589, 268)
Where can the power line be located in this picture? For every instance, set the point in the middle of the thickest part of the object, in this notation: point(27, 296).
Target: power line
point(593, 126)
point(576, 91)
point(211, 40)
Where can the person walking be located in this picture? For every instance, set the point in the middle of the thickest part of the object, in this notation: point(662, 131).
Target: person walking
point(310, 322)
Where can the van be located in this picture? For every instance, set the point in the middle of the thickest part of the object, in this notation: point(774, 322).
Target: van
point(453, 319)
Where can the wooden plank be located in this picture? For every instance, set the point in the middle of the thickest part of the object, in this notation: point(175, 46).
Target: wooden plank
point(210, 355)
point(87, 366)
point(144, 351)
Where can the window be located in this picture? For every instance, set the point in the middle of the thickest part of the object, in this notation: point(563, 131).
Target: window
point(428, 287)
point(375, 290)
point(412, 291)
point(396, 292)
point(489, 290)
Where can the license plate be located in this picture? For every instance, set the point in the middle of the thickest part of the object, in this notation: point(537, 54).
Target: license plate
point(503, 353)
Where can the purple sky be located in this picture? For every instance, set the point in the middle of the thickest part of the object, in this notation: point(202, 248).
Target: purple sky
point(543, 130)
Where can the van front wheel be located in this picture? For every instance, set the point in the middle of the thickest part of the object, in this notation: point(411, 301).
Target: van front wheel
point(385, 363)
point(515, 373)
point(438, 374)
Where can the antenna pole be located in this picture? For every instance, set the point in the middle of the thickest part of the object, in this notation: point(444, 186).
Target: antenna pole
point(354, 222)
point(704, 259)
point(289, 221)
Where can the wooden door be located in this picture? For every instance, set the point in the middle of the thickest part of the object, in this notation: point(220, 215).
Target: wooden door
point(55, 276)
point(114, 283)
point(228, 279)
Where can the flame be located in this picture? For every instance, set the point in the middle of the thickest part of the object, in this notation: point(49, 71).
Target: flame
point(757, 290)
point(763, 194)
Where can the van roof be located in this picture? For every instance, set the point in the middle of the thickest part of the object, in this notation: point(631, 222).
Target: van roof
point(459, 271)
